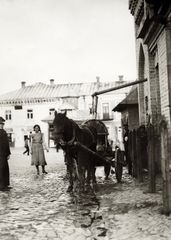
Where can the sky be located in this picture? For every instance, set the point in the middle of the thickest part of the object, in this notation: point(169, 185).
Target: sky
point(69, 41)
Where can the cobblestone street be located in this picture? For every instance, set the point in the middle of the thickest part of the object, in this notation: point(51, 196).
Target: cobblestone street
point(38, 207)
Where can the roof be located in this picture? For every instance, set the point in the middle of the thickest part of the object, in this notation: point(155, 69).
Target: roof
point(8, 130)
point(49, 118)
point(70, 92)
point(130, 100)
point(45, 92)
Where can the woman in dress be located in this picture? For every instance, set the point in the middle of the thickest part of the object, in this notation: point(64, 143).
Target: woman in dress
point(4, 156)
point(37, 149)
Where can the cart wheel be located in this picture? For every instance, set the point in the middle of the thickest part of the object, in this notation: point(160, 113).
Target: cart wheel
point(107, 171)
point(118, 164)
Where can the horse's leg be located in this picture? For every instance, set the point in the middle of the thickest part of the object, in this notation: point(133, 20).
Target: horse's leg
point(94, 175)
point(81, 169)
point(70, 187)
point(89, 173)
point(76, 169)
point(107, 168)
point(90, 169)
point(93, 165)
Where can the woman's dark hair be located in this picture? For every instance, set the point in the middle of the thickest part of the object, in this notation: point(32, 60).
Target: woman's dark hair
point(37, 126)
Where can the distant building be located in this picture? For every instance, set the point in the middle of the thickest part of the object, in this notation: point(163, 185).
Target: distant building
point(35, 104)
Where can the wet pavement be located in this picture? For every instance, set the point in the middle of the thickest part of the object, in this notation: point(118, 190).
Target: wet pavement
point(39, 208)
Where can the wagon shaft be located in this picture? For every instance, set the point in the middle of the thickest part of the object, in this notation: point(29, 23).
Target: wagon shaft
point(112, 163)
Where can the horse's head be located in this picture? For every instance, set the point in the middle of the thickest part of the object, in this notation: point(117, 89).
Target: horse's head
point(60, 126)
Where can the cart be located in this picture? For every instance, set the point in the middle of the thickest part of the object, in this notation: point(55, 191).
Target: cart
point(105, 155)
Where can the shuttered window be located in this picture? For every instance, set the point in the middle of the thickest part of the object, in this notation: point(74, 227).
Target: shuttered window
point(29, 113)
point(8, 115)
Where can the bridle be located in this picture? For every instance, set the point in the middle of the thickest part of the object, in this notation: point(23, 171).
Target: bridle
point(61, 132)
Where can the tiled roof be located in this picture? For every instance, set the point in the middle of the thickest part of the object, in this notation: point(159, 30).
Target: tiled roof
point(45, 91)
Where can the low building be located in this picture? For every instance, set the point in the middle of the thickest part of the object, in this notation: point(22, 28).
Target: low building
point(128, 108)
point(35, 104)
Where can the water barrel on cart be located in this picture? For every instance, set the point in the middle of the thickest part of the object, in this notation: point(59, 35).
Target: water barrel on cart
point(102, 143)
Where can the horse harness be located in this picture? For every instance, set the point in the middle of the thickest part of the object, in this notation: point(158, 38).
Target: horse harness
point(74, 140)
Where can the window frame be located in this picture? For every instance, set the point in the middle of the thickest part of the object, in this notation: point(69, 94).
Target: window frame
point(29, 113)
point(8, 115)
point(105, 113)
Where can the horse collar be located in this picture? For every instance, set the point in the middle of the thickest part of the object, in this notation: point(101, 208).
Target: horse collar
point(70, 142)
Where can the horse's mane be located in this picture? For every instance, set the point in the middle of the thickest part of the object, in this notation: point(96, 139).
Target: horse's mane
point(60, 115)
point(78, 131)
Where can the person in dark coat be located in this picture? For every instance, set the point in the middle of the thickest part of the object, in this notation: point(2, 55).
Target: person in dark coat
point(4, 156)
point(126, 146)
point(125, 140)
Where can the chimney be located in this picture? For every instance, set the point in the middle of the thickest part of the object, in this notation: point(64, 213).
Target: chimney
point(120, 77)
point(51, 81)
point(98, 79)
point(98, 82)
point(23, 84)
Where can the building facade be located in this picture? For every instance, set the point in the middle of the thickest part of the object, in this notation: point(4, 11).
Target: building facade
point(152, 20)
point(35, 104)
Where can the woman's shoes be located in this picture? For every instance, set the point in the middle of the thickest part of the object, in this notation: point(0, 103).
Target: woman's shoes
point(44, 172)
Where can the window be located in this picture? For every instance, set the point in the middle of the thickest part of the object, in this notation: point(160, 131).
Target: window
point(8, 115)
point(18, 107)
point(29, 114)
point(105, 109)
point(51, 111)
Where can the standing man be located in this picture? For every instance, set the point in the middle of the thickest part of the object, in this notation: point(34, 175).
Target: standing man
point(126, 142)
point(4, 156)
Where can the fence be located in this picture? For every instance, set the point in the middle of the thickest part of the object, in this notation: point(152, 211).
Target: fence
point(165, 168)
point(142, 154)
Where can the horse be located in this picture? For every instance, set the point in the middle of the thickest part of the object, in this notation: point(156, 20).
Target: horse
point(69, 136)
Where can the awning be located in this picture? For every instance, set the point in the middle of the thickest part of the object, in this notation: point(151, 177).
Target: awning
point(48, 119)
point(130, 100)
point(9, 130)
point(67, 106)
point(30, 128)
